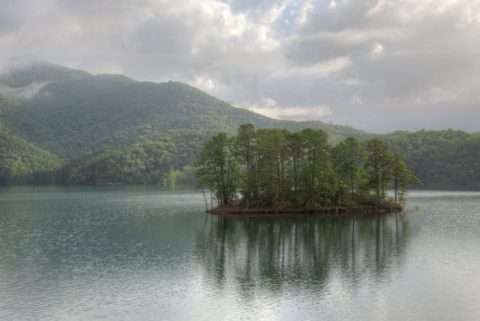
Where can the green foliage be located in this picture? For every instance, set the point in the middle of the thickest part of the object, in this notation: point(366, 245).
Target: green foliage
point(246, 153)
point(217, 168)
point(75, 114)
point(86, 120)
point(8, 103)
point(349, 163)
point(379, 163)
point(21, 162)
point(401, 177)
point(277, 168)
point(270, 178)
point(144, 162)
point(441, 159)
point(76, 117)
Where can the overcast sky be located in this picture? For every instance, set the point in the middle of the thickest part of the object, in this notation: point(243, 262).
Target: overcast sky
point(378, 65)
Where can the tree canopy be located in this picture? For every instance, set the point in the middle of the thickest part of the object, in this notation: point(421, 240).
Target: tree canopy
point(277, 168)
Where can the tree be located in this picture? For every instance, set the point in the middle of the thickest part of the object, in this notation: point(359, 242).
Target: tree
point(378, 166)
point(217, 168)
point(295, 147)
point(316, 156)
point(348, 161)
point(275, 168)
point(402, 177)
point(272, 164)
point(246, 149)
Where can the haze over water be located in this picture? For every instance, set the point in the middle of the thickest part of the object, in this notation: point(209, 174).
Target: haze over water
point(151, 254)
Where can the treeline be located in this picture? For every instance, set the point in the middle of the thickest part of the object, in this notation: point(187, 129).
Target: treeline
point(145, 162)
point(441, 159)
point(155, 159)
point(24, 163)
point(78, 124)
point(278, 168)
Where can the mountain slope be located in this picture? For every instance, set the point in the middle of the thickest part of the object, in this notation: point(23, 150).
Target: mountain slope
point(441, 159)
point(78, 115)
point(24, 71)
point(21, 161)
point(52, 115)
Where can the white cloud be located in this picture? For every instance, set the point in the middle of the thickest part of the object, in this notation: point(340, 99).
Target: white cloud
point(320, 69)
point(366, 59)
point(294, 112)
point(270, 108)
point(376, 49)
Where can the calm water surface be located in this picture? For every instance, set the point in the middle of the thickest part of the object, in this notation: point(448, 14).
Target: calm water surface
point(148, 254)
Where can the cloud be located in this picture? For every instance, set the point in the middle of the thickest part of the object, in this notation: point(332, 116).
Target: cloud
point(382, 65)
point(413, 62)
point(294, 113)
point(376, 49)
point(270, 108)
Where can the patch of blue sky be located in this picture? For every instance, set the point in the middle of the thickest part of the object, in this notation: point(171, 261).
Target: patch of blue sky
point(287, 23)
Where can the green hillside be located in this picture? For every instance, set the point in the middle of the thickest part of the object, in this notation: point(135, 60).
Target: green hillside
point(77, 116)
point(442, 159)
point(38, 72)
point(88, 122)
point(20, 161)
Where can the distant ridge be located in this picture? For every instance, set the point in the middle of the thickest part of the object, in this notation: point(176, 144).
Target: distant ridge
point(23, 71)
point(73, 116)
point(74, 111)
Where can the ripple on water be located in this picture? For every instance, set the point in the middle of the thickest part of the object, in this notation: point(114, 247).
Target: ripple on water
point(147, 254)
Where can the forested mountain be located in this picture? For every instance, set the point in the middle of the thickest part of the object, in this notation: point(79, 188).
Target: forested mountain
point(22, 162)
point(82, 113)
point(54, 117)
point(23, 73)
point(442, 159)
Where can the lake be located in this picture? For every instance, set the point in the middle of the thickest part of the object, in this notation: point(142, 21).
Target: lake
point(140, 253)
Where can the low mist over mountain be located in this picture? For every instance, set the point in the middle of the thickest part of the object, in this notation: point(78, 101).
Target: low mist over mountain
point(113, 129)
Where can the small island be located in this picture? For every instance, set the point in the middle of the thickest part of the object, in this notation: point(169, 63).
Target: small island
point(274, 171)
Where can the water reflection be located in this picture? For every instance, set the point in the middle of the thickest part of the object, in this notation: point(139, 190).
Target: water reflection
point(306, 251)
point(88, 255)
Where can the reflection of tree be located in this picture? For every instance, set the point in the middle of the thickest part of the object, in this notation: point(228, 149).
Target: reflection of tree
point(272, 251)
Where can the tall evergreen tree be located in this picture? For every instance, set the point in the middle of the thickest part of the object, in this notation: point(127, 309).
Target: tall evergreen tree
point(315, 166)
point(246, 145)
point(378, 167)
point(348, 161)
point(217, 168)
point(402, 177)
point(275, 168)
point(272, 163)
